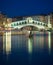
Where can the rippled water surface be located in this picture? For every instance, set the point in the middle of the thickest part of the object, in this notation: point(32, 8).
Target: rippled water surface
point(22, 50)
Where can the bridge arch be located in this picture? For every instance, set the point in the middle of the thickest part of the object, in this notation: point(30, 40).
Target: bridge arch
point(28, 22)
point(31, 27)
point(24, 25)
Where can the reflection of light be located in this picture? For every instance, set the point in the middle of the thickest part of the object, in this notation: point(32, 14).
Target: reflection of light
point(39, 40)
point(8, 42)
point(4, 42)
point(49, 36)
point(29, 32)
point(29, 45)
point(49, 40)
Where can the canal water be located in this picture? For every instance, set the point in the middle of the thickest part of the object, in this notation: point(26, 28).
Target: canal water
point(22, 50)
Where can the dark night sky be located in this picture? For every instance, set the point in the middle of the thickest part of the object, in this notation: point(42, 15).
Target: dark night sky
point(26, 7)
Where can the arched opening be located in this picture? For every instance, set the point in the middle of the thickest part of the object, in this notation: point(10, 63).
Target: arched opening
point(29, 28)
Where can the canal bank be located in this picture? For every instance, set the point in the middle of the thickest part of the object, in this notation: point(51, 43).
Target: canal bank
point(24, 32)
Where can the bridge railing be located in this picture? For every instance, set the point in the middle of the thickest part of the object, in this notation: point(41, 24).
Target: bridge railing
point(28, 22)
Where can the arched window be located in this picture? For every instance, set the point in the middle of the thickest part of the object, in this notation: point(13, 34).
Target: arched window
point(46, 25)
point(11, 24)
point(25, 22)
point(28, 21)
point(33, 22)
point(22, 22)
point(38, 23)
point(43, 24)
point(14, 24)
point(17, 23)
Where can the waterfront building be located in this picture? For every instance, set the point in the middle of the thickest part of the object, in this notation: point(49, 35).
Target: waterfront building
point(4, 20)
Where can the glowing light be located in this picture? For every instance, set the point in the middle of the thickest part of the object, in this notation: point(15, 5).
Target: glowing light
point(7, 42)
point(30, 45)
point(49, 40)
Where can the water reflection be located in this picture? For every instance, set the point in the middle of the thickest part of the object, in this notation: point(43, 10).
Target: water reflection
point(7, 42)
point(22, 49)
point(49, 41)
point(39, 41)
point(30, 46)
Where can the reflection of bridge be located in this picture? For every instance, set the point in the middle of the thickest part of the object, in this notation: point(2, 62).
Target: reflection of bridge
point(29, 22)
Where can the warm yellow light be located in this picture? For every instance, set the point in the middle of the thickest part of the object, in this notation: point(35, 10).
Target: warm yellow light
point(49, 41)
point(29, 45)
